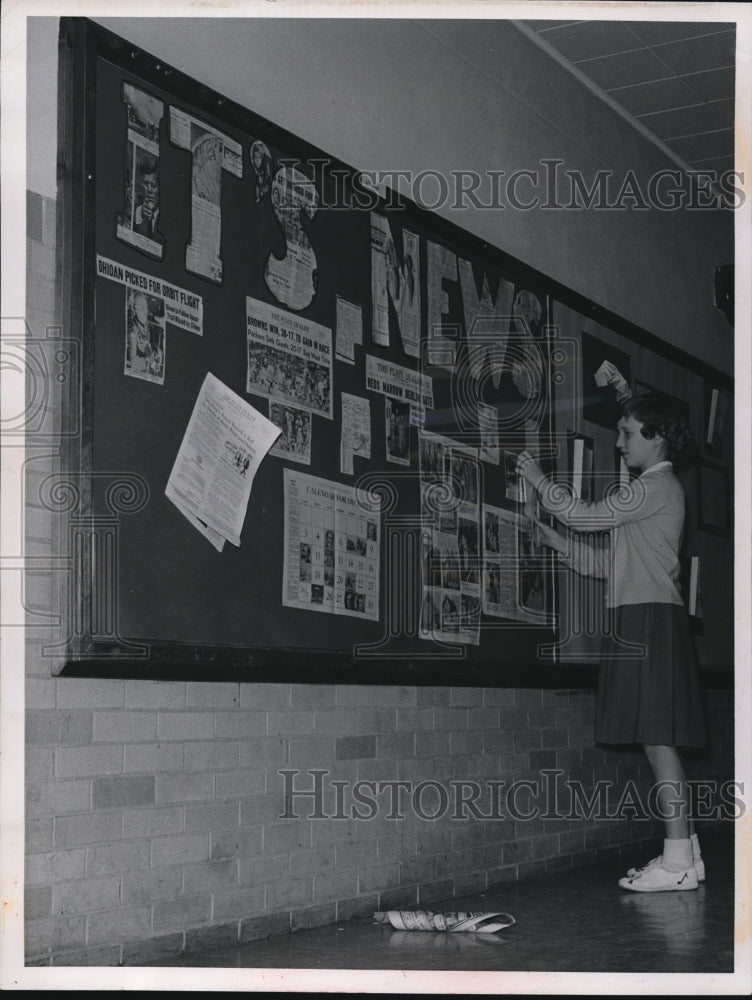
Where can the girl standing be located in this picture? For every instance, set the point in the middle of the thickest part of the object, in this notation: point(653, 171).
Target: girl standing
point(648, 688)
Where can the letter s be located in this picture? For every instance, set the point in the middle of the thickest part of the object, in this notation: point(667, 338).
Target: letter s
point(293, 278)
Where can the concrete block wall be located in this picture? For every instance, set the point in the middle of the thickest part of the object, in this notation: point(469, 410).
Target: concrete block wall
point(156, 813)
point(158, 821)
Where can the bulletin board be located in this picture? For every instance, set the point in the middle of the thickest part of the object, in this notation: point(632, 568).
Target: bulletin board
point(405, 363)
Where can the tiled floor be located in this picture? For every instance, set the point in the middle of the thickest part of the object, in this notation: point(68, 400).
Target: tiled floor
point(573, 921)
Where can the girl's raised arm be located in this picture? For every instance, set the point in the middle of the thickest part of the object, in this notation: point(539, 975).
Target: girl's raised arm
point(635, 501)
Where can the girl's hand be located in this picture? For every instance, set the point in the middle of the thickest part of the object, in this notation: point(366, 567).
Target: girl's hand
point(609, 374)
point(551, 537)
point(529, 468)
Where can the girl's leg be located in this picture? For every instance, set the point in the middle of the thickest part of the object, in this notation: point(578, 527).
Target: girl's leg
point(674, 869)
point(673, 800)
point(681, 849)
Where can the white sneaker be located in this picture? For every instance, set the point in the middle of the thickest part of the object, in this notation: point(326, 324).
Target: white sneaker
point(656, 878)
point(698, 863)
point(650, 864)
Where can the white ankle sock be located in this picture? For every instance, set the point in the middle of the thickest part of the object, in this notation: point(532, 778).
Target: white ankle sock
point(696, 852)
point(677, 854)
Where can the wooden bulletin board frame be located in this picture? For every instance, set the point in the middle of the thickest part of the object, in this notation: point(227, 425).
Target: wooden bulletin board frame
point(116, 467)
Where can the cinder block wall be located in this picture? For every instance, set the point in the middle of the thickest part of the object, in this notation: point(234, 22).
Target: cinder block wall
point(156, 815)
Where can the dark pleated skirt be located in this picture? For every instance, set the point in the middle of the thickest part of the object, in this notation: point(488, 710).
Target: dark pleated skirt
point(648, 683)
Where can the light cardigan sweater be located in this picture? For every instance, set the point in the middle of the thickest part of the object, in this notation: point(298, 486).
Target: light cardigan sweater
point(645, 521)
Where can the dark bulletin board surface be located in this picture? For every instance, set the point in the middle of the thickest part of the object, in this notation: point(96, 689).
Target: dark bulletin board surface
point(177, 601)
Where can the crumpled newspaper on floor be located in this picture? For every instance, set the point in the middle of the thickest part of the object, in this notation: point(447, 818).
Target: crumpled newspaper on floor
point(425, 920)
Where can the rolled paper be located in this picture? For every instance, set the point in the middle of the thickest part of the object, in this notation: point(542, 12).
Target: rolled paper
point(425, 920)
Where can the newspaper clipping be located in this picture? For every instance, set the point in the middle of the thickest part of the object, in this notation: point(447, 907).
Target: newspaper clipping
point(514, 568)
point(212, 152)
point(500, 576)
point(182, 308)
point(349, 330)
point(292, 278)
point(451, 571)
point(397, 420)
point(487, 322)
point(356, 431)
point(488, 423)
point(294, 443)
point(289, 358)
point(144, 336)
point(401, 384)
point(138, 224)
point(442, 342)
point(396, 282)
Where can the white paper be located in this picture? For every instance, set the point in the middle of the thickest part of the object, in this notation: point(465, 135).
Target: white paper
point(355, 437)
point(719, 405)
point(577, 466)
point(349, 330)
point(609, 374)
point(222, 448)
point(584, 464)
point(603, 374)
point(694, 607)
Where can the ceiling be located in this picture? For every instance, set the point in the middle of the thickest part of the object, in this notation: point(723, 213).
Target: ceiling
point(675, 80)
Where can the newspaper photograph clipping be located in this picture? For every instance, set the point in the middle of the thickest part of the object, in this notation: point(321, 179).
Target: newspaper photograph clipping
point(451, 571)
point(139, 223)
point(289, 358)
point(396, 282)
point(294, 443)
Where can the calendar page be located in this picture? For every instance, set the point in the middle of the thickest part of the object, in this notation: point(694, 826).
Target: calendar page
point(332, 539)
